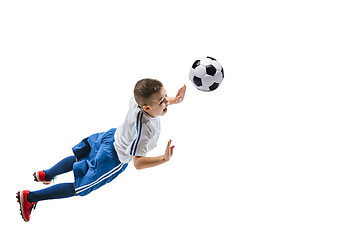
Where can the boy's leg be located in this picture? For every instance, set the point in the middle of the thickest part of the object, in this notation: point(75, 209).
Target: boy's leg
point(63, 166)
point(62, 190)
point(28, 200)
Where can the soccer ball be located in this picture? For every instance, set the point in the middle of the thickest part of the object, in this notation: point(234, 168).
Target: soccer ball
point(206, 74)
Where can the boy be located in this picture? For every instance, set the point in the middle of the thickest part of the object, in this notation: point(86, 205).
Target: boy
point(100, 158)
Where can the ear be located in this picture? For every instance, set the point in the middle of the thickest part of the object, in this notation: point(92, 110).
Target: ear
point(146, 108)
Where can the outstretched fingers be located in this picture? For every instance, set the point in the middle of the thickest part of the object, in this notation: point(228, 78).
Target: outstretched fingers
point(169, 150)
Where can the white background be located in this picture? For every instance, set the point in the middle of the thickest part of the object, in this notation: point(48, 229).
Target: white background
point(273, 153)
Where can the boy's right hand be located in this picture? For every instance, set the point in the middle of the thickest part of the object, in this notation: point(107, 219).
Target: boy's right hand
point(169, 151)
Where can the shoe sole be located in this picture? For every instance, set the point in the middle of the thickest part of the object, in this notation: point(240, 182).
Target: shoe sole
point(36, 179)
point(20, 200)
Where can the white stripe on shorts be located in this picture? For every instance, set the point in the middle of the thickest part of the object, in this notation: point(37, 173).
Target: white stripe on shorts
point(103, 177)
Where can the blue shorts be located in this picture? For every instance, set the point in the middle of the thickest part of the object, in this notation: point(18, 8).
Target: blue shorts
point(97, 162)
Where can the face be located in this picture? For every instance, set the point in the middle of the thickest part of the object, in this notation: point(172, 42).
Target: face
point(159, 104)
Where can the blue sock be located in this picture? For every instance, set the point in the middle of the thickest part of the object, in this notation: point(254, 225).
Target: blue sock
point(62, 190)
point(63, 166)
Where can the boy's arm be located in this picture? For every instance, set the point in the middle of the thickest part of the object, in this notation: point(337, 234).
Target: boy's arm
point(179, 96)
point(148, 162)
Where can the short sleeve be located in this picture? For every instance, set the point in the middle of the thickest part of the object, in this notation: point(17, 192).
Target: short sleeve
point(140, 145)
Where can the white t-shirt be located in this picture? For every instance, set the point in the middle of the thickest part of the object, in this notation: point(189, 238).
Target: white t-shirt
point(137, 135)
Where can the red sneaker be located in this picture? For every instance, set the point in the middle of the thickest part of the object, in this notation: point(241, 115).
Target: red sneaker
point(39, 176)
point(25, 206)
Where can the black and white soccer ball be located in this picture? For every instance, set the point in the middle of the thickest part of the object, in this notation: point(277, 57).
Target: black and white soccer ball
point(206, 74)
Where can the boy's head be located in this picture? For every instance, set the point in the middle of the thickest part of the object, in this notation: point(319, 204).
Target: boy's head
point(151, 96)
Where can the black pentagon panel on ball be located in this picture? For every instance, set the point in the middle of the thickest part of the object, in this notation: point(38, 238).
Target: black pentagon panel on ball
point(222, 71)
point(214, 86)
point(210, 70)
point(195, 64)
point(197, 81)
point(211, 58)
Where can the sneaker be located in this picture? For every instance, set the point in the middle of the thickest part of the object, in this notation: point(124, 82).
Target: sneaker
point(25, 206)
point(39, 176)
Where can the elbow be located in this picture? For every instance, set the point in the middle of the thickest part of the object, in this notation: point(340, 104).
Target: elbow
point(137, 166)
point(137, 163)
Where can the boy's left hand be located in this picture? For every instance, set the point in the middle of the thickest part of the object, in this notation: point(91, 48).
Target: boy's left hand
point(180, 94)
point(169, 151)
